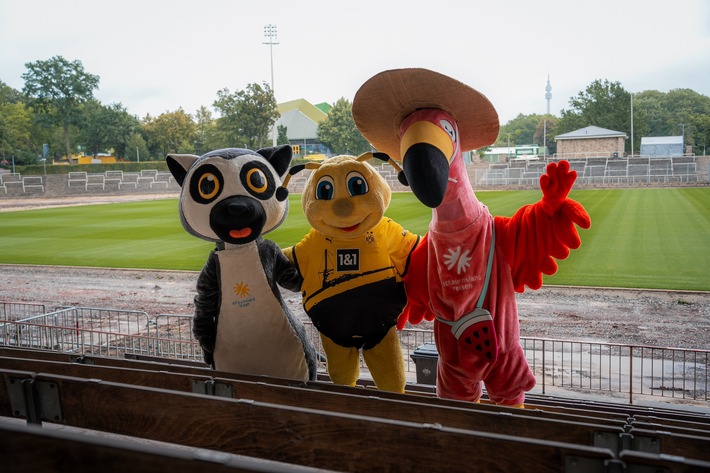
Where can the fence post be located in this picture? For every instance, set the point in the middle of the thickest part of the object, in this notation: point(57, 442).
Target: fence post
point(543, 367)
point(631, 374)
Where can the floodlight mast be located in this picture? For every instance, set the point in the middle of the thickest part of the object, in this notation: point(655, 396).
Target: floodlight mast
point(270, 35)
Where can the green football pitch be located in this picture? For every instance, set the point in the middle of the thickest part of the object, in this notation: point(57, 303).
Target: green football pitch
point(640, 238)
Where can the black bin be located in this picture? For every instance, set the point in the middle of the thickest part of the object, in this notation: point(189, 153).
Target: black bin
point(425, 357)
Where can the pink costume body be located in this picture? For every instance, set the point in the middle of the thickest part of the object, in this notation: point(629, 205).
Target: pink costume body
point(459, 240)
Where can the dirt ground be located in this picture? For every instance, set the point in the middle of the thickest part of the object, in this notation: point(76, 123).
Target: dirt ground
point(641, 317)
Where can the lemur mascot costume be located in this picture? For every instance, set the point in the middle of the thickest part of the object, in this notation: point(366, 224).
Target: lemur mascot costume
point(233, 197)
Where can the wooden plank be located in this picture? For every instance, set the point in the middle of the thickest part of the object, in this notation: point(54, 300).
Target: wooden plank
point(86, 453)
point(583, 417)
point(631, 410)
point(568, 415)
point(688, 443)
point(657, 463)
point(579, 410)
point(409, 409)
point(308, 437)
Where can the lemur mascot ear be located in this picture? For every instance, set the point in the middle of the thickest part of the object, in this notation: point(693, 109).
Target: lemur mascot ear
point(232, 197)
point(352, 262)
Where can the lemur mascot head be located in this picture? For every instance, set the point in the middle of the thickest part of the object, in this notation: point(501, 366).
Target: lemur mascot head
point(232, 195)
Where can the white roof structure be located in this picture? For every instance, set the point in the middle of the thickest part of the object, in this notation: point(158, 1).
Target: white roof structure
point(662, 146)
point(590, 132)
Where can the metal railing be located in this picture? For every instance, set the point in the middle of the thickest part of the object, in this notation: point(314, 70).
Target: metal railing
point(632, 370)
point(626, 370)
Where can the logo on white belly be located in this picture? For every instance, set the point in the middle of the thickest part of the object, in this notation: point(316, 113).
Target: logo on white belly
point(454, 257)
point(241, 290)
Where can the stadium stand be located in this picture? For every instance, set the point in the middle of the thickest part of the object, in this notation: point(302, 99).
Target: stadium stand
point(12, 182)
point(336, 428)
point(77, 179)
point(32, 183)
point(129, 180)
point(597, 171)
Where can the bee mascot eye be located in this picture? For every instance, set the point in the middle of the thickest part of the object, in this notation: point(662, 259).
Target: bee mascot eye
point(325, 188)
point(357, 184)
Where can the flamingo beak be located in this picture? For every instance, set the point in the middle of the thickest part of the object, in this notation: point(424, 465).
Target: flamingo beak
point(426, 150)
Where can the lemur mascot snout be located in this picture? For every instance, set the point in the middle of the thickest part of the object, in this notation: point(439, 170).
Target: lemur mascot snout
point(232, 197)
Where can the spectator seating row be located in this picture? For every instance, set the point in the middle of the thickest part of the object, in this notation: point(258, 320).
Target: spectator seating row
point(598, 170)
point(19, 183)
point(292, 426)
point(145, 179)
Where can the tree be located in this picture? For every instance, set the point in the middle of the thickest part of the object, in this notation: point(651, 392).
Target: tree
point(206, 138)
point(519, 131)
point(282, 138)
point(247, 116)
point(8, 94)
point(16, 132)
point(136, 147)
point(107, 128)
point(604, 104)
point(57, 88)
point(338, 131)
point(173, 132)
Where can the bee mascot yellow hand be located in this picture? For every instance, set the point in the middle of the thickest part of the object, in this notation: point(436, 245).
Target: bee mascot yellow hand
point(352, 262)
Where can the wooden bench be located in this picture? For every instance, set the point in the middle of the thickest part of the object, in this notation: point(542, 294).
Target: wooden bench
point(79, 452)
point(535, 424)
point(409, 409)
point(564, 409)
point(308, 437)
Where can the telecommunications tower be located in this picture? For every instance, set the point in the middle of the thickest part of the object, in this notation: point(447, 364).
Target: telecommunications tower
point(548, 93)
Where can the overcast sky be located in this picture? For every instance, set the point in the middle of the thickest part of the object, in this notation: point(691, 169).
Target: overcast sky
point(154, 56)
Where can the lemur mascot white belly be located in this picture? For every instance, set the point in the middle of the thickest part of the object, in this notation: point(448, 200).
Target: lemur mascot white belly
point(233, 197)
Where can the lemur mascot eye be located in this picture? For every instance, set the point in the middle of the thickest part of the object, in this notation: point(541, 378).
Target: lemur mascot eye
point(352, 263)
point(233, 197)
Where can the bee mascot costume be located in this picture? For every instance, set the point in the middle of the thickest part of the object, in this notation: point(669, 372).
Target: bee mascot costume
point(352, 262)
point(232, 197)
point(465, 273)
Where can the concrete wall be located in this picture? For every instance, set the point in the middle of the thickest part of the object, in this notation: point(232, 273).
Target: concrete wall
point(602, 147)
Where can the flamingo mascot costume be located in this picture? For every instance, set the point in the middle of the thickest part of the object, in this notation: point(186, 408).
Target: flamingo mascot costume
point(468, 267)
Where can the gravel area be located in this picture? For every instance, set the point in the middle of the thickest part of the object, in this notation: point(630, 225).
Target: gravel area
point(675, 319)
point(657, 318)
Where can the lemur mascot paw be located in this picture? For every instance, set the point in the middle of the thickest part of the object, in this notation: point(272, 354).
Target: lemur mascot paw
point(232, 197)
point(352, 262)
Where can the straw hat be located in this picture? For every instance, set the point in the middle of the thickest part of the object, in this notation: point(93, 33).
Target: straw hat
point(386, 99)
